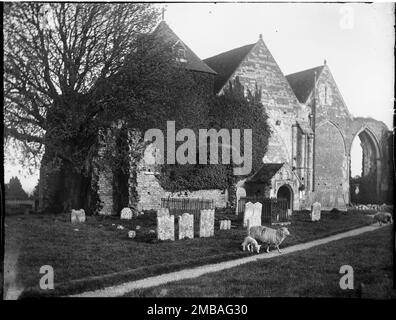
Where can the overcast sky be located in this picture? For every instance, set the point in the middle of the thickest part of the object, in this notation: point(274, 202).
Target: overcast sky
point(355, 39)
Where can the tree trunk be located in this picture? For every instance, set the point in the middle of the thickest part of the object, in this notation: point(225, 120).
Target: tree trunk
point(76, 190)
point(62, 187)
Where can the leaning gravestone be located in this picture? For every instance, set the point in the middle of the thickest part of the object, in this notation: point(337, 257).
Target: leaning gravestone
point(255, 219)
point(206, 223)
point(77, 216)
point(315, 213)
point(186, 226)
point(249, 209)
point(126, 213)
point(165, 225)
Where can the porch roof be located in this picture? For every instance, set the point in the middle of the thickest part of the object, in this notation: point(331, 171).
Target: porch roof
point(265, 173)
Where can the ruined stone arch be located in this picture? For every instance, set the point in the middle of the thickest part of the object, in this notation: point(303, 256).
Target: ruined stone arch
point(372, 137)
point(372, 155)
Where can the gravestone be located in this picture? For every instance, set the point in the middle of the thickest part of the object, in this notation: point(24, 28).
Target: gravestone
point(77, 215)
point(315, 213)
point(165, 225)
point(126, 213)
point(249, 208)
point(162, 212)
point(206, 223)
point(255, 219)
point(225, 224)
point(186, 226)
point(73, 216)
point(131, 234)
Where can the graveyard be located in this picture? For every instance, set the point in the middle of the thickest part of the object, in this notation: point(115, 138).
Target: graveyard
point(98, 252)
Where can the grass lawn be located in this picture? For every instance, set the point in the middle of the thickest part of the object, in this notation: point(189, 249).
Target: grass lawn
point(82, 253)
point(310, 273)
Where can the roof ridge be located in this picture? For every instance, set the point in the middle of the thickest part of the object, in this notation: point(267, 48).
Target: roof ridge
point(305, 70)
point(228, 51)
point(226, 63)
point(194, 62)
point(303, 82)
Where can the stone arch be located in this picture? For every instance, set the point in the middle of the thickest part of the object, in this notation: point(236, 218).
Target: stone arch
point(286, 191)
point(371, 136)
point(372, 155)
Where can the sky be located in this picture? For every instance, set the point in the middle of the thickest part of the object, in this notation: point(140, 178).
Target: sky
point(355, 39)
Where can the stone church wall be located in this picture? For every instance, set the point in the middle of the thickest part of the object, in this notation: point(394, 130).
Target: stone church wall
point(150, 193)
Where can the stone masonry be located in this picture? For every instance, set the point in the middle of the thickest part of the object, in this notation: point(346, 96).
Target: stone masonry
point(312, 135)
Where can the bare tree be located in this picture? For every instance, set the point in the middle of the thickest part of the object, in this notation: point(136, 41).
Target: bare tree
point(56, 55)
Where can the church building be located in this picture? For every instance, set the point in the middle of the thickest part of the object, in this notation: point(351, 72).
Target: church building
point(308, 156)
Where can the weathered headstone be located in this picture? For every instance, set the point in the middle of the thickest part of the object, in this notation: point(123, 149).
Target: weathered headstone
point(162, 212)
point(225, 224)
point(186, 226)
point(249, 208)
point(77, 216)
point(315, 213)
point(165, 225)
point(255, 219)
point(73, 216)
point(206, 223)
point(81, 216)
point(126, 213)
point(131, 234)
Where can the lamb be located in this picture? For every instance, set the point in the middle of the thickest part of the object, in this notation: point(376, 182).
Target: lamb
point(269, 236)
point(251, 244)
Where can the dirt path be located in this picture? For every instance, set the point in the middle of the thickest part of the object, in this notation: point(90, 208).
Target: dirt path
point(124, 288)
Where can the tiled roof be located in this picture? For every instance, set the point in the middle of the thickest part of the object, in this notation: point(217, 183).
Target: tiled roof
point(265, 173)
point(302, 82)
point(193, 61)
point(226, 63)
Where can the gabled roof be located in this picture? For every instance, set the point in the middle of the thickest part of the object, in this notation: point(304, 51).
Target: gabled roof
point(193, 61)
point(302, 82)
point(265, 173)
point(226, 63)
